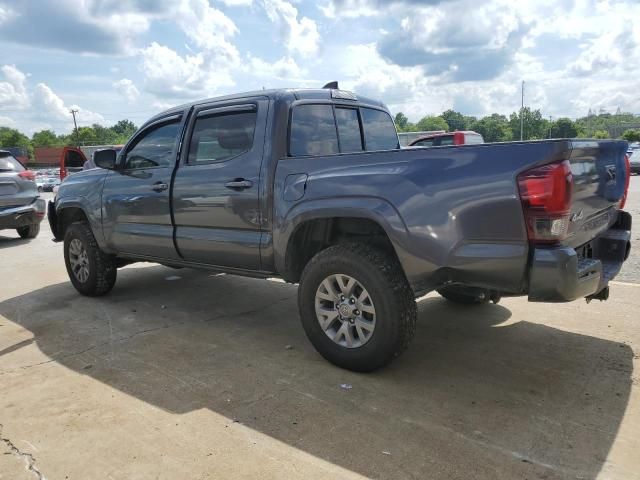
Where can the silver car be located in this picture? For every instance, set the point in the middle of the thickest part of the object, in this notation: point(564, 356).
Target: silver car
point(21, 208)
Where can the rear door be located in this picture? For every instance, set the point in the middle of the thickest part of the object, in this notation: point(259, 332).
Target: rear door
point(15, 190)
point(216, 197)
point(135, 198)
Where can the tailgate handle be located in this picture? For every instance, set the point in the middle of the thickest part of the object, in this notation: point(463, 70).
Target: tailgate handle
point(239, 184)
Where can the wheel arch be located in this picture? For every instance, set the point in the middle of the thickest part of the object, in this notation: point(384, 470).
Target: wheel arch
point(315, 225)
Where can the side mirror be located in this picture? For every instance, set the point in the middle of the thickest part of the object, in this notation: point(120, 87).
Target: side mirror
point(105, 158)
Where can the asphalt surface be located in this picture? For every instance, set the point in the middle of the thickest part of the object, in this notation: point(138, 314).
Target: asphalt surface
point(187, 374)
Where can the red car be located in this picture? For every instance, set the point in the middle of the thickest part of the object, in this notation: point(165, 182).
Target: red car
point(450, 138)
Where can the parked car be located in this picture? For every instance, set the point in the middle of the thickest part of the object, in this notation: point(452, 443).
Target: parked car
point(49, 183)
point(634, 160)
point(450, 138)
point(20, 207)
point(69, 160)
point(312, 187)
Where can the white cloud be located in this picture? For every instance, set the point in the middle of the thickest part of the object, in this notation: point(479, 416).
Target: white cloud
point(167, 74)
point(300, 35)
point(237, 3)
point(47, 102)
point(284, 68)
point(127, 89)
point(13, 91)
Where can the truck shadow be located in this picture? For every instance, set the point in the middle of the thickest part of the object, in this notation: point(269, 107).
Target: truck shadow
point(478, 391)
point(8, 242)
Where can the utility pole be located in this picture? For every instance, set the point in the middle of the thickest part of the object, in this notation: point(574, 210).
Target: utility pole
point(522, 114)
point(73, 112)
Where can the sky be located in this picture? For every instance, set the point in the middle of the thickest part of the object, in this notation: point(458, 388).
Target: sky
point(115, 59)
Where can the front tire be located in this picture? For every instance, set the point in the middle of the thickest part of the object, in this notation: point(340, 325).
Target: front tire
point(29, 231)
point(91, 271)
point(356, 306)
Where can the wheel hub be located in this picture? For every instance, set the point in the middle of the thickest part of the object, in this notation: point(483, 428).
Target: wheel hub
point(345, 311)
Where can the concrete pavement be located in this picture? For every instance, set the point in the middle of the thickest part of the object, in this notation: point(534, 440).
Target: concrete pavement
point(211, 376)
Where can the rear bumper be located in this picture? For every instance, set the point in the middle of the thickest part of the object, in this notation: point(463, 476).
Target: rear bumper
point(635, 167)
point(562, 275)
point(22, 216)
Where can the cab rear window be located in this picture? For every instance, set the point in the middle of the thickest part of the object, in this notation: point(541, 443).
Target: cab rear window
point(325, 129)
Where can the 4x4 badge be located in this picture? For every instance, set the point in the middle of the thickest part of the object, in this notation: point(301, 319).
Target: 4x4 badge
point(577, 216)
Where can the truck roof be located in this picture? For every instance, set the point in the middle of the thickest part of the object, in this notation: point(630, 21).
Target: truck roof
point(285, 94)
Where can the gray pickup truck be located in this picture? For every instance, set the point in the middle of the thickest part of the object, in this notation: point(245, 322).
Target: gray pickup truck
point(312, 187)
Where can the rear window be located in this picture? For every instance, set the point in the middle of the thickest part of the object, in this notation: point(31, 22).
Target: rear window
point(9, 164)
point(349, 130)
point(220, 137)
point(313, 131)
point(379, 130)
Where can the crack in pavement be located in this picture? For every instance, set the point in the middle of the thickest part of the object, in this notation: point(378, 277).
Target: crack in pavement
point(29, 459)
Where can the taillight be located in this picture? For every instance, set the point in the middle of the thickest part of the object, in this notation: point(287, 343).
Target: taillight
point(28, 175)
point(627, 169)
point(545, 193)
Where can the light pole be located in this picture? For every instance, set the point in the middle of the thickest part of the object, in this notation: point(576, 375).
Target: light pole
point(73, 112)
point(522, 114)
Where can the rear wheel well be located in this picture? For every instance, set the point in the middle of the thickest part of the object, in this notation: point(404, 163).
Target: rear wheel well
point(67, 216)
point(313, 236)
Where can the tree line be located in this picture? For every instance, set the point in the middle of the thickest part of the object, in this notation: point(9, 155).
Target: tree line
point(500, 128)
point(96, 134)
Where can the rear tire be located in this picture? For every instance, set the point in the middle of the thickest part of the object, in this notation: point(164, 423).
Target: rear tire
point(377, 276)
point(29, 231)
point(91, 271)
point(464, 296)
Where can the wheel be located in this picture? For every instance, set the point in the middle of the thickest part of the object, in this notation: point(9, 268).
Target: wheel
point(29, 231)
point(39, 188)
point(465, 296)
point(356, 306)
point(92, 272)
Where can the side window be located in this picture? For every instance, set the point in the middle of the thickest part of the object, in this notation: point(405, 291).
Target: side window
point(218, 137)
point(348, 130)
point(155, 148)
point(424, 143)
point(379, 130)
point(447, 140)
point(313, 131)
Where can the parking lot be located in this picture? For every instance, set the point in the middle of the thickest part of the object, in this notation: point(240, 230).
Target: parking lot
point(189, 374)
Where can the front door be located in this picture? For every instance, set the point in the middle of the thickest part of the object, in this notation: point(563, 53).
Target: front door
point(137, 211)
point(216, 189)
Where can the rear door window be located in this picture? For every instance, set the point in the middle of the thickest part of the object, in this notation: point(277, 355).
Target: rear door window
point(379, 130)
point(9, 164)
point(219, 137)
point(313, 131)
point(349, 130)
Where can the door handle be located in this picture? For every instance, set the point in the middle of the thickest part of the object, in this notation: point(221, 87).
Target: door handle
point(239, 184)
point(159, 186)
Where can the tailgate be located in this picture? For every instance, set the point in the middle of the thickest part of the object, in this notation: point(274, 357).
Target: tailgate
point(599, 175)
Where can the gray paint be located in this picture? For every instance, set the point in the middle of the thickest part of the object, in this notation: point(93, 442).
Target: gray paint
point(453, 214)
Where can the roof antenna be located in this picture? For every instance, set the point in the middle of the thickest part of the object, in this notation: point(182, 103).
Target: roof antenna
point(333, 85)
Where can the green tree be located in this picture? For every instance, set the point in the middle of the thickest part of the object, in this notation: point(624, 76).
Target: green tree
point(631, 135)
point(535, 126)
point(455, 120)
point(10, 137)
point(601, 134)
point(563, 128)
point(125, 128)
point(45, 138)
point(494, 128)
point(400, 120)
point(429, 123)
